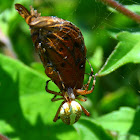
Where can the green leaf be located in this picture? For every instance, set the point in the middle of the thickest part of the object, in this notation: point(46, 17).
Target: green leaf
point(120, 97)
point(97, 57)
point(25, 106)
point(123, 121)
point(134, 8)
point(135, 128)
point(90, 130)
point(38, 67)
point(118, 120)
point(126, 137)
point(14, 71)
point(127, 51)
point(5, 5)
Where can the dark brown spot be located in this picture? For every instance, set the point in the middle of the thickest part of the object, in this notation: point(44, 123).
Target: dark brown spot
point(77, 61)
point(60, 49)
point(76, 45)
point(63, 64)
point(65, 38)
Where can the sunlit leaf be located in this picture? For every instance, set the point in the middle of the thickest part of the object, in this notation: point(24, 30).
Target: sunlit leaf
point(127, 51)
point(126, 120)
point(90, 130)
point(25, 106)
point(121, 97)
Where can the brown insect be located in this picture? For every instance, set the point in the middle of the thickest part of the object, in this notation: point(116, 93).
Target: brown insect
point(61, 47)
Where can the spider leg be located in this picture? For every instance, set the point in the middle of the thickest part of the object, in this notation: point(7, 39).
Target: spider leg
point(63, 86)
point(53, 99)
point(58, 111)
point(86, 86)
point(85, 111)
point(81, 99)
point(84, 92)
point(50, 91)
point(90, 77)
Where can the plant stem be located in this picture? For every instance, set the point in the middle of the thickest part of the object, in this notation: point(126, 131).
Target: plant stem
point(122, 9)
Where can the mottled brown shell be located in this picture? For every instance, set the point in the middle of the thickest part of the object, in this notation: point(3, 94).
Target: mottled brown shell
point(60, 46)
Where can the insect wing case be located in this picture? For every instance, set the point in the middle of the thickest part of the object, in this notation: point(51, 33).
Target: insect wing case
point(61, 47)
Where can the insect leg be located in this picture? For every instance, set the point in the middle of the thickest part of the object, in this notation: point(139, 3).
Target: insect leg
point(58, 111)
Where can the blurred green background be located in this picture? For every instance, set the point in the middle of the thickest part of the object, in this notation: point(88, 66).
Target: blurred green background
point(26, 109)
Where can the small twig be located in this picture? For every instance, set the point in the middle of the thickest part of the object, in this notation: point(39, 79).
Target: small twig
point(122, 9)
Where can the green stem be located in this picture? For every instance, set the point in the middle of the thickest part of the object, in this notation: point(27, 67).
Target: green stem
point(122, 9)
